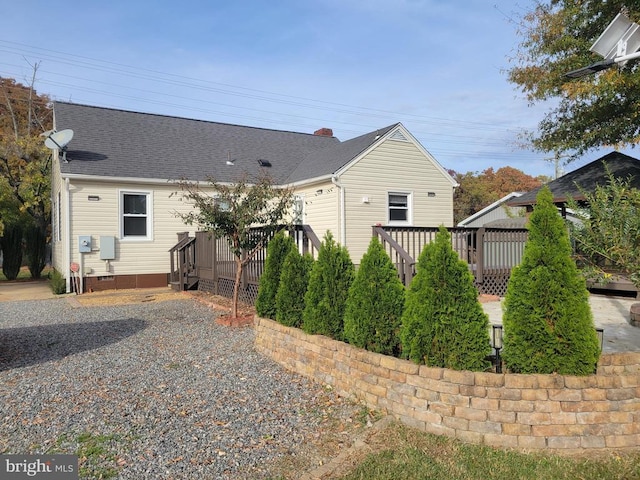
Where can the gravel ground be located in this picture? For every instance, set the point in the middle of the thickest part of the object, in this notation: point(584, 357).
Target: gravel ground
point(150, 391)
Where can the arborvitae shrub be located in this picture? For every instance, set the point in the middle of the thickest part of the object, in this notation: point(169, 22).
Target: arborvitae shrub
point(443, 324)
point(326, 296)
point(277, 250)
point(36, 249)
point(548, 324)
point(11, 244)
point(294, 280)
point(57, 282)
point(374, 306)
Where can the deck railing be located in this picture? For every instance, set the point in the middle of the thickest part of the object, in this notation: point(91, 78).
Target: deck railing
point(490, 252)
point(183, 262)
point(216, 264)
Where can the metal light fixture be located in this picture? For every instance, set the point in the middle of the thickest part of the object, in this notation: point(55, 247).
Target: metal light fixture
point(496, 343)
point(600, 333)
point(617, 45)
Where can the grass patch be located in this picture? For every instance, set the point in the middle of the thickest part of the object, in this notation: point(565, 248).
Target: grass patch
point(405, 453)
point(24, 274)
point(97, 454)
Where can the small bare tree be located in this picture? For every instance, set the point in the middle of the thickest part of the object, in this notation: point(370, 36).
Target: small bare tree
point(233, 210)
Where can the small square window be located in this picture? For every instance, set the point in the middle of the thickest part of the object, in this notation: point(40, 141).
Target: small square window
point(399, 208)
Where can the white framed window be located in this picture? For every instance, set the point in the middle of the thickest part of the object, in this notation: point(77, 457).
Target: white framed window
point(136, 215)
point(399, 208)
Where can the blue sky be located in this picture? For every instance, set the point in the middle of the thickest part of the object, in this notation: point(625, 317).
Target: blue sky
point(437, 66)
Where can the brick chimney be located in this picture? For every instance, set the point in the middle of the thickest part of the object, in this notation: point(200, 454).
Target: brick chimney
point(324, 132)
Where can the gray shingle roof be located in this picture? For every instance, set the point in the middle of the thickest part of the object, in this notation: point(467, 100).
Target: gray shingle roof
point(330, 160)
point(117, 143)
point(586, 177)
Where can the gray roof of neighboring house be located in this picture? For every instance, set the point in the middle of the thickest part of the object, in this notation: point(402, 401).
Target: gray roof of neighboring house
point(118, 143)
point(586, 178)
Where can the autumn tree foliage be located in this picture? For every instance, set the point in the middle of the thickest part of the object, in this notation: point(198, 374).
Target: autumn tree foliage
point(478, 190)
point(25, 168)
point(548, 324)
point(586, 113)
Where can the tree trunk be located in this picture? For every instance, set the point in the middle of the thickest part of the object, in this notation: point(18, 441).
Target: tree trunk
point(236, 287)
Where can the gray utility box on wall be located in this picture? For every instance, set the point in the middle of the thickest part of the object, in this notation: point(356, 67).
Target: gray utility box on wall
point(84, 243)
point(107, 248)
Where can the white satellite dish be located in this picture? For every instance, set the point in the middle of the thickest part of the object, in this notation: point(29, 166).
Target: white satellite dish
point(59, 139)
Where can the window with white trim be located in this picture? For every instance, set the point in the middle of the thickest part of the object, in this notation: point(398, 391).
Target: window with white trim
point(135, 215)
point(399, 208)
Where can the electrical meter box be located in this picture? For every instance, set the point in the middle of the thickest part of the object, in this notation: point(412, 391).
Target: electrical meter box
point(84, 243)
point(107, 248)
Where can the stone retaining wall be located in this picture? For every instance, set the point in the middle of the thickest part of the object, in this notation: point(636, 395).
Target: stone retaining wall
point(530, 412)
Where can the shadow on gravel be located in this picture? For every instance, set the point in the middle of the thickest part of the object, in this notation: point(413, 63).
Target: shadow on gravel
point(24, 346)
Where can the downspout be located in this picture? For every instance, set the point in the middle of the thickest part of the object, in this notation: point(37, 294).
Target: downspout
point(67, 230)
point(343, 217)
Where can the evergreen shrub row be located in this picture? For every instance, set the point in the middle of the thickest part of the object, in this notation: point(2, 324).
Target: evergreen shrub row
point(438, 320)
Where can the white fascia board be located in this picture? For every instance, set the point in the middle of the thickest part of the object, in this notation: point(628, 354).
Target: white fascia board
point(139, 180)
point(311, 181)
point(412, 139)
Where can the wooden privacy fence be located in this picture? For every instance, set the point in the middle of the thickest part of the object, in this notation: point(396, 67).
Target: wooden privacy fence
point(490, 252)
point(215, 264)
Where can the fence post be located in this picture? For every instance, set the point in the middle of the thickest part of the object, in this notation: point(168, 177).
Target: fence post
point(214, 264)
point(480, 255)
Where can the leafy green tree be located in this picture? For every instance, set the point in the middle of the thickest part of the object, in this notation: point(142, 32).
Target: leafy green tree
point(587, 113)
point(326, 297)
point(609, 230)
point(294, 281)
point(232, 210)
point(443, 324)
point(548, 324)
point(277, 250)
point(374, 305)
point(11, 244)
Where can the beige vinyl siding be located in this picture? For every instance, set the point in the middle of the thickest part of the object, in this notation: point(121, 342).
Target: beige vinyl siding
point(102, 218)
point(321, 208)
point(393, 167)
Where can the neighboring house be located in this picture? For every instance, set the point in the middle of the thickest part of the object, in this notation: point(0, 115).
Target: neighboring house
point(498, 212)
point(572, 184)
point(585, 179)
point(113, 212)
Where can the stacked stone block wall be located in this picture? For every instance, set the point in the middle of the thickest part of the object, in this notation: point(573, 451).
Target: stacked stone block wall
point(566, 414)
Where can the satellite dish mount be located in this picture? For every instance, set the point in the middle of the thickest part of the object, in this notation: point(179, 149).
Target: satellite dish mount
point(58, 141)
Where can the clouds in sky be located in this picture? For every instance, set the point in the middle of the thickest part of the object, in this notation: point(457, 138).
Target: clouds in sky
point(437, 66)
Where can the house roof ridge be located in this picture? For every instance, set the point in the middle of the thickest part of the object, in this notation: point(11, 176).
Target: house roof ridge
point(175, 117)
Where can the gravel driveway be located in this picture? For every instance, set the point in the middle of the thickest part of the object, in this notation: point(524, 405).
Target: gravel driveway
point(151, 391)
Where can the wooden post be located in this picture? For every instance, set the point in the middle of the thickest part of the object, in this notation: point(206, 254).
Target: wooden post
point(480, 255)
point(214, 264)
